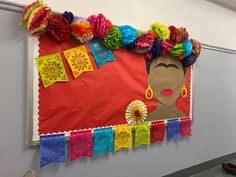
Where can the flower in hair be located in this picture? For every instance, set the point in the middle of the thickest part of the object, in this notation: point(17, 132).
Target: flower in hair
point(161, 31)
point(113, 39)
point(128, 34)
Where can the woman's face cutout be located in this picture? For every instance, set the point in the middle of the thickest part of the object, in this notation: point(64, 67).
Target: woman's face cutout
point(166, 78)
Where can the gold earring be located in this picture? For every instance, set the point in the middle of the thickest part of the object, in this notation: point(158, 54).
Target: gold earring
point(184, 92)
point(147, 95)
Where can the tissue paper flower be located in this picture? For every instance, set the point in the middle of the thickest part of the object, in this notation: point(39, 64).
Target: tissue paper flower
point(100, 25)
point(161, 31)
point(81, 30)
point(38, 20)
point(27, 11)
point(59, 28)
point(128, 34)
point(175, 35)
point(113, 39)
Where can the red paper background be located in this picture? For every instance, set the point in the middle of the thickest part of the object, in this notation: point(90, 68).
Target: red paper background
point(98, 98)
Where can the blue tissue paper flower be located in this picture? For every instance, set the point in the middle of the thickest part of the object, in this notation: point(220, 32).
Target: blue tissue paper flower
point(187, 48)
point(128, 34)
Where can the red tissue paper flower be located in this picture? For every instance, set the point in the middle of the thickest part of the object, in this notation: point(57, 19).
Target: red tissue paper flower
point(175, 35)
point(100, 25)
point(59, 28)
point(144, 41)
point(184, 34)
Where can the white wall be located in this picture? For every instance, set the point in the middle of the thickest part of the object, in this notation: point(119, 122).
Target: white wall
point(205, 21)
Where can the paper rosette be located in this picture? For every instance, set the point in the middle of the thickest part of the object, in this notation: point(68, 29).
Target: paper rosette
point(136, 112)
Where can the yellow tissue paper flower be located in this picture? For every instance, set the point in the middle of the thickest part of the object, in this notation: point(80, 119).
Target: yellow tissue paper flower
point(161, 31)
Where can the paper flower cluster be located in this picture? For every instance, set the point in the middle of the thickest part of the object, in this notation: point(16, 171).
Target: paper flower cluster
point(158, 41)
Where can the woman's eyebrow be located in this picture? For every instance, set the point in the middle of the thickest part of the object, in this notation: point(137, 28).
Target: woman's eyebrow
point(161, 64)
point(173, 65)
point(167, 66)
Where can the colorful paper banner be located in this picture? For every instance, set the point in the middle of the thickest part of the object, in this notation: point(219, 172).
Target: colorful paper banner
point(81, 144)
point(78, 60)
point(52, 149)
point(185, 127)
point(142, 135)
point(100, 53)
point(103, 140)
point(173, 129)
point(123, 137)
point(51, 69)
point(157, 131)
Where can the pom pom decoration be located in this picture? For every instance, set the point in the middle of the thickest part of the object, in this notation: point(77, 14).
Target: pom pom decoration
point(196, 47)
point(128, 34)
point(113, 39)
point(175, 35)
point(156, 50)
point(184, 34)
point(189, 61)
point(177, 50)
point(166, 46)
point(159, 40)
point(144, 43)
point(27, 12)
point(100, 25)
point(161, 31)
point(68, 16)
point(59, 28)
point(38, 20)
point(81, 30)
point(187, 48)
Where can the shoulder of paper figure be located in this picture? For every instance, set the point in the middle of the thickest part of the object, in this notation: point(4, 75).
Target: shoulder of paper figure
point(30, 173)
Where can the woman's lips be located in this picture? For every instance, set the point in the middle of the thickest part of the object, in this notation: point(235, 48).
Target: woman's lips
point(167, 92)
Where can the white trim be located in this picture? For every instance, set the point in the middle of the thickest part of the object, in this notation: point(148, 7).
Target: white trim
point(191, 93)
point(35, 90)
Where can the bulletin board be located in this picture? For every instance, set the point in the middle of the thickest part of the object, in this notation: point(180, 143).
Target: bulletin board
point(95, 99)
point(87, 73)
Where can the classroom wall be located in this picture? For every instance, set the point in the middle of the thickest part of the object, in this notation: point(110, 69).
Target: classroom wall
point(205, 21)
point(213, 126)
